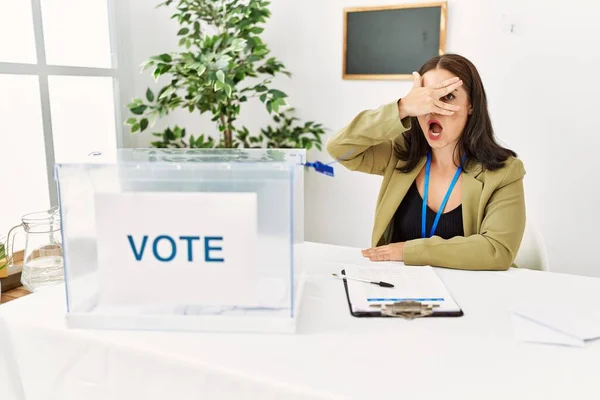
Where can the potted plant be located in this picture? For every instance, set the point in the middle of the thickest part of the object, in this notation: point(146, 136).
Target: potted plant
point(222, 63)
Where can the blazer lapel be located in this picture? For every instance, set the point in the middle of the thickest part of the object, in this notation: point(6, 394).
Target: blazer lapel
point(395, 191)
point(471, 195)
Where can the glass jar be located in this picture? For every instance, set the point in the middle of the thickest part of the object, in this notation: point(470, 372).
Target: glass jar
point(43, 256)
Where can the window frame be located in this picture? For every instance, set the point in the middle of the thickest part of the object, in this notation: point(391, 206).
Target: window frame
point(42, 70)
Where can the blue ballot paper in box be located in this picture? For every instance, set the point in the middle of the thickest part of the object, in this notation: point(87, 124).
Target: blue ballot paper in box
point(184, 239)
point(325, 169)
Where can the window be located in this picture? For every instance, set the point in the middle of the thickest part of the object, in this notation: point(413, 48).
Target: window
point(59, 96)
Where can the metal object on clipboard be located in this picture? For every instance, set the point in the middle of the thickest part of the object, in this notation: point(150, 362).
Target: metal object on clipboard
point(406, 309)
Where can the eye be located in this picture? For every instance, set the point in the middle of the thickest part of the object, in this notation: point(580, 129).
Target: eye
point(449, 97)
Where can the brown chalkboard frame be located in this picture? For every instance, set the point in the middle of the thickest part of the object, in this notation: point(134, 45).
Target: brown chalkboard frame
point(443, 20)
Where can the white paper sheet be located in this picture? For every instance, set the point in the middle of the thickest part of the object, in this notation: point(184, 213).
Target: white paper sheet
point(555, 314)
point(528, 330)
point(203, 251)
point(410, 283)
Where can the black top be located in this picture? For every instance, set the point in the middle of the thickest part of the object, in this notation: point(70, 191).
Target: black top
point(407, 219)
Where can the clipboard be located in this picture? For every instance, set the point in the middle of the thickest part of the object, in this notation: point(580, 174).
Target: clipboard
point(406, 309)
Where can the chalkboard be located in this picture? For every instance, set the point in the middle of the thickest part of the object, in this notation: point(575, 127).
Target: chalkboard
point(390, 42)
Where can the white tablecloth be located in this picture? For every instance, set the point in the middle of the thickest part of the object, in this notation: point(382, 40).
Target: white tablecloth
point(333, 355)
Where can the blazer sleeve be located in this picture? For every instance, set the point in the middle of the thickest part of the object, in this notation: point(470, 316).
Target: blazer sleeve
point(498, 242)
point(366, 143)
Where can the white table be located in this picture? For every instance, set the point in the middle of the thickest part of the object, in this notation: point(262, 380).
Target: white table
point(333, 355)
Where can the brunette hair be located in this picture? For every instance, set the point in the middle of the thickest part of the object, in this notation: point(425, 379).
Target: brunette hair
point(476, 142)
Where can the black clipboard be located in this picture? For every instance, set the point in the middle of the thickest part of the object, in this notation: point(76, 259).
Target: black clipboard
point(377, 314)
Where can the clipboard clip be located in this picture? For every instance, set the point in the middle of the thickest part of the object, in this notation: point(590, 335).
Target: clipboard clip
point(406, 309)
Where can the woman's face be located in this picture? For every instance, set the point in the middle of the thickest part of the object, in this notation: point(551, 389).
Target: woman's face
point(443, 130)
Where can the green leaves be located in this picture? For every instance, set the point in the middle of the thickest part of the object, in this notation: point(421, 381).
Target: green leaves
point(277, 99)
point(273, 98)
point(139, 110)
point(221, 85)
point(160, 70)
point(221, 76)
point(147, 64)
point(169, 90)
point(277, 93)
point(176, 138)
point(165, 3)
point(275, 104)
point(260, 51)
point(143, 124)
point(221, 63)
point(149, 95)
point(178, 132)
point(165, 58)
point(286, 134)
point(202, 142)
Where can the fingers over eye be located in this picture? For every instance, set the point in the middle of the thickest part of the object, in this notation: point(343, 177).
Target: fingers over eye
point(447, 82)
point(453, 87)
point(447, 89)
point(446, 106)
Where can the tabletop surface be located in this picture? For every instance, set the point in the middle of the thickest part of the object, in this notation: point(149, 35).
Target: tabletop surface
point(336, 355)
point(13, 294)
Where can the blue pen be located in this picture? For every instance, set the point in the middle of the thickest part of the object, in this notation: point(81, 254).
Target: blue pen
point(378, 283)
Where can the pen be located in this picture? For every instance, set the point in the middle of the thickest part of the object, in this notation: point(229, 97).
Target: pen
point(380, 283)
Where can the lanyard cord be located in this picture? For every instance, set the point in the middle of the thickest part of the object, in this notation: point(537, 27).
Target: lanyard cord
point(442, 206)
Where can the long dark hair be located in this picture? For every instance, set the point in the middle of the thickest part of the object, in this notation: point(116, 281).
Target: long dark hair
point(476, 142)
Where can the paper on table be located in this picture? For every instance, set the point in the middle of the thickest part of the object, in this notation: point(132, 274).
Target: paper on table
point(564, 318)
point(565, 305)
point(410, 283)
point(527, 330)
point(568, 304)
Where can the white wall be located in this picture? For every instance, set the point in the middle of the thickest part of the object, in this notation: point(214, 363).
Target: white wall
point(542, 87)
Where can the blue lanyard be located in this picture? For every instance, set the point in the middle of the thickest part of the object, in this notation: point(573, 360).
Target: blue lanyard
point(426, 190)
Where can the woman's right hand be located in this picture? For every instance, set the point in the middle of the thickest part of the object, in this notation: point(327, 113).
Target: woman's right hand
point(426, 100)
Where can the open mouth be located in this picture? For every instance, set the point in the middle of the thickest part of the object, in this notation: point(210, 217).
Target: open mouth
point(435, 129)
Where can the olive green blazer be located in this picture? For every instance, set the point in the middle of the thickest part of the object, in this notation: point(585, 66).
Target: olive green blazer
point(493, 202)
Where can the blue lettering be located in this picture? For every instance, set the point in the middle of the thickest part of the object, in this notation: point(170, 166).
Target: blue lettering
point(173, 248)
point(138, 255)
point(208, 248)
point(189, 240)
point(168, 255)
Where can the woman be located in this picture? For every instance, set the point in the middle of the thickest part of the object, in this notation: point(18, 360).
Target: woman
point(437, 144)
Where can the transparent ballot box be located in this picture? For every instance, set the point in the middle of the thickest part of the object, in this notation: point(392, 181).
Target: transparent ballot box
point(181, 240)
